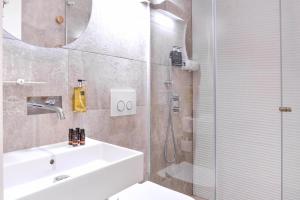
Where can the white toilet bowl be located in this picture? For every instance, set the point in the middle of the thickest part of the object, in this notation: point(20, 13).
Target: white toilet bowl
point(149, 191)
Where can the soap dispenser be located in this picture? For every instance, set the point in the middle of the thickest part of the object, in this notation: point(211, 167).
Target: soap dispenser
point(79, 97)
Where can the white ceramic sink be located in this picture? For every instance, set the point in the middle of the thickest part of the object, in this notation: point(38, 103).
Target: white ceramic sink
point(95, 171)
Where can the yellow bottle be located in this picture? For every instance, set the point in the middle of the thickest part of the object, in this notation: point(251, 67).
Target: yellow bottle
point(79, 98)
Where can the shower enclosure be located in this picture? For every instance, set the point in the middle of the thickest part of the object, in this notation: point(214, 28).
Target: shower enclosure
point(182, 126)
point(235, 135)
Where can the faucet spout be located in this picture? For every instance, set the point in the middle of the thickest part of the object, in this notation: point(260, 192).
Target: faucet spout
point(59, 111)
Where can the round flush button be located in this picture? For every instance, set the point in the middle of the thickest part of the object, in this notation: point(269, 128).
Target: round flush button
point(129, 105)
point(121, 106)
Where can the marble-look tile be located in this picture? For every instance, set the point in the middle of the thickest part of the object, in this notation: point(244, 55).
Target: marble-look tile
point(117, 28)
point(32, 64)
point(182, 84)
point(159, 130)
point(182, 9)
point(35, 64)
point(95, 122)
point(19, 131)
point(104, 73)
point(51, 130)
point(168, 30)
point(163, 37)
point(159, 91)
point(186, 6)
point(51, 65)
point(126, 131)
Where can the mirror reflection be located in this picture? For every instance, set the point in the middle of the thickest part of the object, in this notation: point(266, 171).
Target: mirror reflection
point(43, 23)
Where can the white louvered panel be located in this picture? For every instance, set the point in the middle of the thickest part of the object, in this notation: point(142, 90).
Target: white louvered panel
point(204, 107)
point(291, 97)
point(248, 96)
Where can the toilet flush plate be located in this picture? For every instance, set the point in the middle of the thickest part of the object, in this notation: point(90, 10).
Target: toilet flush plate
point(123, 102)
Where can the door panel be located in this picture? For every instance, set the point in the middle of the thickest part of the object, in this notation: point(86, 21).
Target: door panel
point(291, 98)
point(248, 75)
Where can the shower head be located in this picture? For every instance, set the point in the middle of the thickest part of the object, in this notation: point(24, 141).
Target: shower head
point(169, 8)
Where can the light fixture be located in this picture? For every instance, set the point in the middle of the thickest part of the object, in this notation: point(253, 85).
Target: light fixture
point(169, 14)
point(169, 9)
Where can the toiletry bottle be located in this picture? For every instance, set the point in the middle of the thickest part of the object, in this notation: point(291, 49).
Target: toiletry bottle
point(79, 97)
point(75, 139)
point(78, 135)
point(71, 132)
point(82, 137)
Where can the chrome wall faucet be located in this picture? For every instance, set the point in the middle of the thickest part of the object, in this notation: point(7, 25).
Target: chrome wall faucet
point(43, 105)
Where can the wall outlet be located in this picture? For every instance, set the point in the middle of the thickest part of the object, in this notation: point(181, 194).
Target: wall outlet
point(123, 102)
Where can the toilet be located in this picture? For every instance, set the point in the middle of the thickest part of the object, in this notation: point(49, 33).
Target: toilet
point(149, 191)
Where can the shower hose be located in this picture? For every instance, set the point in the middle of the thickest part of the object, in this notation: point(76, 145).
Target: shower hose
point(170, 134)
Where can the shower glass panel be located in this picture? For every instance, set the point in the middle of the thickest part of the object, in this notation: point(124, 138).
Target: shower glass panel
point(182, 124)
point(291, 98)
point(241, 144)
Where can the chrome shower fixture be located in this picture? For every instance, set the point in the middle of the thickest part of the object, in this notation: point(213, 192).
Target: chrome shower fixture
point(70, 3)
point(44, 105)
point(175, 103)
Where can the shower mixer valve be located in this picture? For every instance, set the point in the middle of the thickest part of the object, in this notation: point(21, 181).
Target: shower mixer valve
point(70, 3)
point(175, 103)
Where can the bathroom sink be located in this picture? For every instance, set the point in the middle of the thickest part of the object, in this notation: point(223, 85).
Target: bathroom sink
point(95, 171)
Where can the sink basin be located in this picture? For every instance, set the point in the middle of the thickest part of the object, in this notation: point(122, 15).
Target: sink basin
point(94, 171)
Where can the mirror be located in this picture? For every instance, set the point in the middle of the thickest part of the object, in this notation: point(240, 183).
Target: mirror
point(46, 23)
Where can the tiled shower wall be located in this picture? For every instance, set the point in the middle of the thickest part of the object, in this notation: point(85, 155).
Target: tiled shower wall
point(111, 53)
point(166, 33)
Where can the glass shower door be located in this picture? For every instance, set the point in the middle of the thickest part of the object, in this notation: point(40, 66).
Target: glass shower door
point(291, 99)
point(182, 102)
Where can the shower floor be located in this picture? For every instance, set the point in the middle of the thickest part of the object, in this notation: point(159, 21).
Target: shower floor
point(198, 198)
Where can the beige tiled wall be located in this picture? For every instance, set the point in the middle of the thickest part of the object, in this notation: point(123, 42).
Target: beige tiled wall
point(111, 53)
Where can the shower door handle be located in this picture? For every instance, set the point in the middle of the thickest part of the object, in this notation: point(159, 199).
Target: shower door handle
point(285, 109)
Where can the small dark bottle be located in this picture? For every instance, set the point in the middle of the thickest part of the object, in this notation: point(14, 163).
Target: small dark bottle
point(71, 132)
point(82, 137)
point(75, 139)
point(78, 135)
